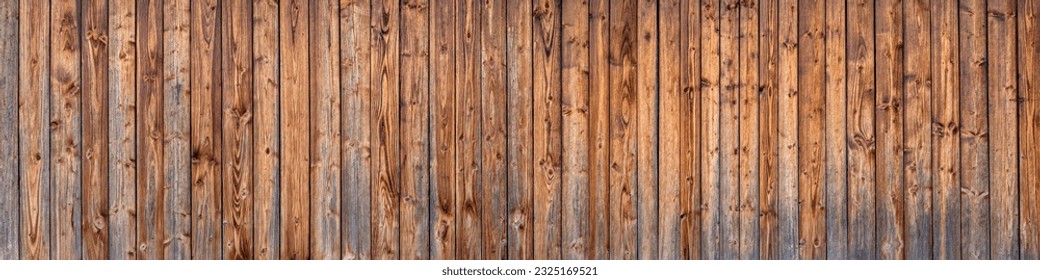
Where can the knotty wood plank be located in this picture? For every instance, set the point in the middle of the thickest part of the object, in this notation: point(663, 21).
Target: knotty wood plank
point(598, 240)
point(324, 130)
point(748, 131)
point(889, 113)
point(788, 126)
point(206, 130)
point(469, 245)
point(9, 226)
point(672, 103)
point(812, 229)
point(729, 130)
point(547, 129)
point(122, 125)
point(646, 130)
point(95, 200)
point(176, 164)
point(860, 122)
point(34, 196)
point(974, 131)
point(917, 163)
point(493, 129)
point(154, 198)
point(690, 133)
point(237, 108)
point(442, 134)
point(835, 140)
point(385, 130)
point(355, 87)
point(946, 240)
point(622, 119)
point(1002, 108)
point(575, 75)
point(768, 163)
point(415, 153)
point(266, 149)
point(709, 164)
point(65, 127)
point(1029, 129)
point(294, 18)
point(520, 137)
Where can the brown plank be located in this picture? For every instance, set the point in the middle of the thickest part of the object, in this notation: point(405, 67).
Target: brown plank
point(153, 197)
point(622, 134)
point(729, 130)
point(237, 108)
point(520, 135)
point(748, 157)
point(468, 107)
point(442, 115)
point(1002, 108)
point(206, 130)
point(9, 225)
point(946, 197)
point(575, 126)
point(768, 163)
point(324, 130)
point(176, 126)
point(94, 40)
point(860, 122)
point(891, 209)
point(33, 126)
point(385, 130)
point(294, 19)
point(917, 163)
point(267, 133)
point(415, 153)
point(493, 130)
point(836, 148)
point(973, 131)
point(709, 163)
point(672, 103)
point(598, 240)
point(812, 228)
point(1029, 129)
point(690, 130)
point(547, 129)
point(646, 130)
point(66, 128)
point(355, 87)
point(122, 124)
point(787, 85)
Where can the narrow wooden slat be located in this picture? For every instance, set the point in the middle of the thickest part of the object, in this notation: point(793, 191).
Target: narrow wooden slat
point(787, 86)
point(236, 56)
point(812, 229)
point(709, 163)
point(355, 87)
point(946, 240)
point(467, 130)
point(385, 130)
point(749, 131)
point(266, 149)
point(729, 130)
point(206, 130)
point(493, 129)
point(176, 61)
point(122, 126)
point(547, 129)
point(520, 136)
point(836, 148)
point(598, 240)
point(324, 130)
point(65, 128)
point(294, 19)
point(415, 153)
point(9, 225)
point(1028, 128)
point(622, 131)
point(768, 161)
point(1002, 108)
point(891, 209)
point(672, 103)
point(575, 118)
point(917, 164)
point(973, 131)
point(34, 195)
point(690, 130)
point(646, 130)
point(154, 199)
point(442, 134)
point(860, 137)
point(94, 40)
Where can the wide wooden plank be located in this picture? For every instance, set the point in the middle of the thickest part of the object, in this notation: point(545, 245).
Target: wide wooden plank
point(672, 103)
point(575, 118)
point(467, 130)
point(598, 241)
point(889, 113)
point(324, 130)
point(294, 117)
point(415, 153)
point(748, 131)
point(95, 200)
point(1002, 108)
point(237, 119)
point(34, 180)
point(946, 240)
point(266, 129)
point(917, 162)
point(1028, 129)
point(690, 127)
point(520, 135)
point(787, 90)
point(9, 225)
point(729, 130)
point(836, 148)
point(122, 127)
point(385, 130)
point(622, 133)
point(860, 130)
point(768, 105)
point(493, 129)
point(176, 164)
point(973, 131)
point(65, 128)
point(547, 129)
point(206, 133)
point(154, 198)
point(355, 87)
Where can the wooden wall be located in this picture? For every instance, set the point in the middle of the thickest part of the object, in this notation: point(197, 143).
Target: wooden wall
point(519, 129)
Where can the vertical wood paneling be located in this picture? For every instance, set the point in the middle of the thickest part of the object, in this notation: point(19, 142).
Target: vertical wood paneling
point(860, 127)
point(95, 200)
point(672, 103)
point(946, 203)
point(598, 240)
point(749, 131)
point(324, 130)
point(709, 164)
point(547, 128)
point(646, 130)
point(768, 105)
point(266, 177)
point(835, 134)
point(206, 137)
point(415, 153)
point(9, 225)
point(622, 135)
point(973, 131)
point(812, 231)
point(575, 75)
point(917, 163)
point(355, 76)
point(493, 129)
point(889, 110)
point(34, 93)
point(1028, 128)
point(729, 130)
point(236, 55)
point(520, 135)
point(442, 129)
point(1002, 108)
point(690, 130)
point(176, 126)
point(294, 19)
point(467, 130)
point(153, 196)
point(65, 128)
point(385, 130)
point(122, 126)
point(788, 126)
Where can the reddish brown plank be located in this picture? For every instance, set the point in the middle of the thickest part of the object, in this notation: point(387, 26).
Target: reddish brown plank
point(324, 130)
point(946, 240)
point(623, 147)
point(442, 116)
point(709, 163)
point(575, 124)
point(547, 129)
point(520, 135)
point(672, 103)
point(917, 164)
point(891, 209)
point(1028, 128)
point(294, 111)
point(206, 129)
point(493, 129)
point(236, 57)
point(415, 153)
point(94, 41)
point(729, 130)
point(748, 156)
point(860, 130)
point(836, 140)
point(176, 127)
point(385, 130)
point(34, 182)
point(152, 193)
point(1003, 100)
point(690, 127)
point(267, 133)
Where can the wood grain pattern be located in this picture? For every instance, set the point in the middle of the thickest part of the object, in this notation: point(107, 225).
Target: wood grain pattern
point(294, 110)
point(153, 196)
point(835, 135)
point(860, 131)
point(95, 160)
point(65, 129)
point(690, 132)
point(468, 107)
point(946, 202)
point(889, 113)
point(442, 134)
point(917, 163)
point(575, 123)
point(236, 56)
point(122, 125)
point(493, 129)
point(206, 137)
point(356, 90)
point(647, 131)
point(1002, 109)
point(266, 133)
point(520, 135)
point(385, 130)
point(788, 136)
point(622, 119)
point(1028, 128)
point(973, 131)
point(812, 235)
point(749, 131)
point(546, 45)
point(34, 192)
point(709, 164)
point(768, 120)
point(415, 153)
point(598, 241)
point(324, 131)
point(672, 103)
point(729, 130)
point(9, 212)
point(176, 127)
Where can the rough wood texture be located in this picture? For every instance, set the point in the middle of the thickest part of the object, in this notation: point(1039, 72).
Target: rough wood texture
point(386, 134)
point(176, 127)
point(860, 130)
point(95, 201)
point(355, 88)
point(294, 19)
point(34, 192)
point(415, 133)
point(122, 125)
point(324, 131)
point(622, 135)
point(546, 46)
point(889, 113)
point(520, 134)
point(9, 225)
point(442, 130)
point(575, 125)
point(493, 129)
point(65, 129)
point(917, 163)
point(1028, 128)
point(836, 138)
point(206, 136)
point(946, 229)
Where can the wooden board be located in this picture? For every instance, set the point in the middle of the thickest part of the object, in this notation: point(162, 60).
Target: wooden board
point(95, 110)
point(324, 131)
point(206, 133)
point(787, 89)
point(34, 170)
point(622, 135)
point(768, 110)
point(1029, 131)
point(860, 131)
point(575, 123)
point(598, 241)
point(355, 88)
point(65, 129)
point(973, 131)
point(122, 126)
point(835, 134)
point(415, 133)
point(646, 130)
point(176, 164)
point(236, 74)
point(266, 129)
point(153, 196)
point(1002, 110)
point(520, 135)
point(468, 107)
point(294, 111)
point(917, 163)
point(671, 105)
point(493, 101)
point(690, 130)
point(889, 114)
point(749, 132)
point(9, 212)
point(729, 130)
point(546, 45)
point(385, 130)
point(946, 240)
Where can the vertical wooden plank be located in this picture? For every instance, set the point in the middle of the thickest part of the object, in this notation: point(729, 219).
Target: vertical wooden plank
point(788, 126)
point(768, 161)
point(690, 129)
point(1003, 169)
point(94, 39)
point(294, 19)
point(237, 132)
point(547, 123)
point(709, 164)
point(122, 126)
point(206, 130)
point(836, 142)
point(152, 193)
point(385, 130)
point(861, 130)
point(917, 164)
point(748, 131)
point(622, 134)
point(729, 130)
point(646, 130)
point(974, 131)
point(1028, 128)
point(520, 138)
point(493, 129)
point(598, 240)
point(415, 153)
point(946, 240)
point(672, 103)
point(575, 124)
point(65, 129)
point(176, 127)
point(467, 130)
point(891, 212)
point(33, 126)
point(442, 114)
point(9, 226)
point(324, 130)
point(812, 228)
point(356, 88)
point(266, 149)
